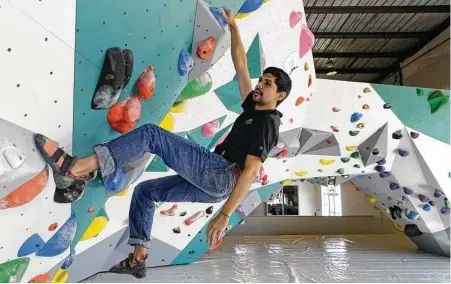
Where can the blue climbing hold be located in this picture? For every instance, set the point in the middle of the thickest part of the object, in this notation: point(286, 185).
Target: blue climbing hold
point(31, 245)
point(61, 240)
point(69, 259)
point(411, 215)
point(356, 116)
point(427, 207)
point(250, 6)
point(216, 12)
point(186, 62)
point(359, 177)
point(115, 181)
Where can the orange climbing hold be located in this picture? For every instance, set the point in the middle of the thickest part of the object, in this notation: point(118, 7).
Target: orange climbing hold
point(215, 246)
point(310, 80)
point(41, 278)
point(205, 49)
point(27, 191)
point(146, 83)
point(300, 100)
point(53, 226)
point(124, 116)
point(171, 211)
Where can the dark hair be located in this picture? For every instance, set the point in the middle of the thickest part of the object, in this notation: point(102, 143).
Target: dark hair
point(283, 81)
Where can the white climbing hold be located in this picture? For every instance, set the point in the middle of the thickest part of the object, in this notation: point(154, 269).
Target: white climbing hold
point(14, 157)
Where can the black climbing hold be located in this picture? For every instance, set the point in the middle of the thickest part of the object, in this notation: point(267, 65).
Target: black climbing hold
point(404, 198)
point(345, 176)
point(387, 106)
point(403, 153)
point(209, 210)
point(375, 151)
point(397, 135)
point(320, 170)
point(357, 166)
point(380, 169)
point(191, 252)
point(128, 61)
point(176, 230)
point(341, 171)
point(183, 213)
point(395, 212)
point(411, 230)
point(432, 203)
point(381, 162)
point(423, 198)
point(408, 191)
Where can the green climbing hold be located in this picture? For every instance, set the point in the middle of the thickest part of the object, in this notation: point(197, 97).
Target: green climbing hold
point(447, 204)
point(355, 155)
point(12, 271)
point(420, 92)
point(354, 133)
point(345, 160)
point(437, 100)
point(197, 87)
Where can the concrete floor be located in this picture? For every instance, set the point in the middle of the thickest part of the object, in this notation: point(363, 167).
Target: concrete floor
point(352, 258)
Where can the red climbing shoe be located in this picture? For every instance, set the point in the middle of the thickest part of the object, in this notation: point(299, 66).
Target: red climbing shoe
point(131, 266)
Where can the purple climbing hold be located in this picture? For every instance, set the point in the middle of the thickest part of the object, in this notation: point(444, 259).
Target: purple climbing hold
point(216, 12)
point(394, 186)
point(423, 198)
point(384, 174)
point(381, 162)
point(387, 106)
point(437, 193)
point(414, 134)
point(380, 169)
point(408, 191)
point(427, 207)
point(186, 62)
point(403, 153)
point(397, 135)
point(445, 211)
point(356, 116)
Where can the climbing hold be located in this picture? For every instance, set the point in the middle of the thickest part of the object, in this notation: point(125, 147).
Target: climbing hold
point(427, 207)
point(115, 181)
point(91, 209)
point(437, 100)
point(356, 116)
point(31, 245)
point(195, 217)
point(335, 129)
point(403, 153)
point(168, 122)
point(411, 215)
point(366, 106)
point(177, 230)
point(361, 125)
point(291, 120)
point(387, 106)
point(421, 92)
point(345, 159)
point(295, 17)
point(205, 48)
point(398, 227)
point(394, 186)
point(244, 221)
point(387, 210)
point(97, 225)
point(335, 109)
point(437, 193)
point(408, 191)
point(380, 169)
point(354, 133)
point(41, 278)
point(447, 204)
point(359, 96)
point(211, 128)
point(286, 182)
point(395, 212)
point(179, 107)
point(240, 208)
point(299, 101)
point(280, 145)
point(171, 211)
point(371, 198)
point(122, 193)
point(217, 14)
point(357, 166)
point(326, 162)
point(53, 226)
point(209, 210)
point(414, 134)
point(367, 90)
point(27, 191)
point(355, 155)
point(250, 6)
point(14, 157)
point(124, 116)
point(183, 213)
point(146, 83)
point(301, 174)
point(69, 259)
point(12, 271)
point(320, 170)
point(341, 171)
point(423, 198)
point(330, 141)
point(306, 41)
point(381, 162)
point(310, 80)
point(445, 211)
point(215, 245)
point(282, 154)
point(306, 67)
point(197, 87)
point(60, 276)
point(351, 148)
point(384, 174)
point(186, 63)
point(397, 135)
point(432, 203)
point(61, 240)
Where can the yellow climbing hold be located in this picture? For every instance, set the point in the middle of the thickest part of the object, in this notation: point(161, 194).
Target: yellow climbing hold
point(371, 198)
point(351, 148)
point(301, 174)
point(361, 125)
point(398, 227)
point(366, 106)
point(122, 193)
point(179, 107)
point(286, 182)
point(326, 162)
point(61, 276)
point(96, 226)
point(387, 210)
point(367, 90)
point(241, 15)
point(306, 68)
point(167, 122)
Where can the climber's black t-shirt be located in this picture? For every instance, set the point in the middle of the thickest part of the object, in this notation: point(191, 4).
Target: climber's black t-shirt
point(255, 132)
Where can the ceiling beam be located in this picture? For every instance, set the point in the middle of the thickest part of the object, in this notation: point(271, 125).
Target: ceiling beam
point(358, 54)
point(352, 70)
point(371, 34)
point(377, 9)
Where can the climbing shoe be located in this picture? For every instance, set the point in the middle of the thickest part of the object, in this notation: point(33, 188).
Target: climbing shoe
point(131, 266)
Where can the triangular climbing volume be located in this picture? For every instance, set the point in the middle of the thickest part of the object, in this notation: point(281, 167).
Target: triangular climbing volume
point(229, 94)
point(254, 58)
point(311, 137)
point(328, 147)
point(288, 140)
point(374, 148)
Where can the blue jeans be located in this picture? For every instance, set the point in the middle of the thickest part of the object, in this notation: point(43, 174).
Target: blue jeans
point(203, 176)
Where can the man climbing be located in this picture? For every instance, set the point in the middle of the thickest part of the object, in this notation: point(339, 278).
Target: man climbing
point(203, 176)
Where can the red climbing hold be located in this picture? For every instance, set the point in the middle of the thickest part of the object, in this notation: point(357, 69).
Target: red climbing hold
point(124, 116)
point(146, 83)
point(334, 129)
point(330, 141)
point(205, 49)
point(334, 109)
point(41, 278)
point(359, 96)
point(195, 217)
point(282, 154)
point(170, 211)
point(91, 209)
point(53, 226)
point(310, 80)
point(215, 246)
point(299, 101)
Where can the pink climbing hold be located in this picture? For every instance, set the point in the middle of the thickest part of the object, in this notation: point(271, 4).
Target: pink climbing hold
point(306, 41)
point(334, 109)
point(291, 120)
point(414, 134)
point(282, 154)
point(170, 211)
point(295, 18)
point(210, 128)
point(195, 217)
point(240, 208)
point(91, 209)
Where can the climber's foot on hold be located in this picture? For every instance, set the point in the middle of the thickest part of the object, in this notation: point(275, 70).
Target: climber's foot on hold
point(69, 187)
point(131, 265)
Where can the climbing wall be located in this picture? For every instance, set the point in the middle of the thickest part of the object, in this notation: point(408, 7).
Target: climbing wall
point(177, 72)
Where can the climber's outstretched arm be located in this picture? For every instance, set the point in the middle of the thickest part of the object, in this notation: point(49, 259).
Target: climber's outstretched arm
point(238, 55)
